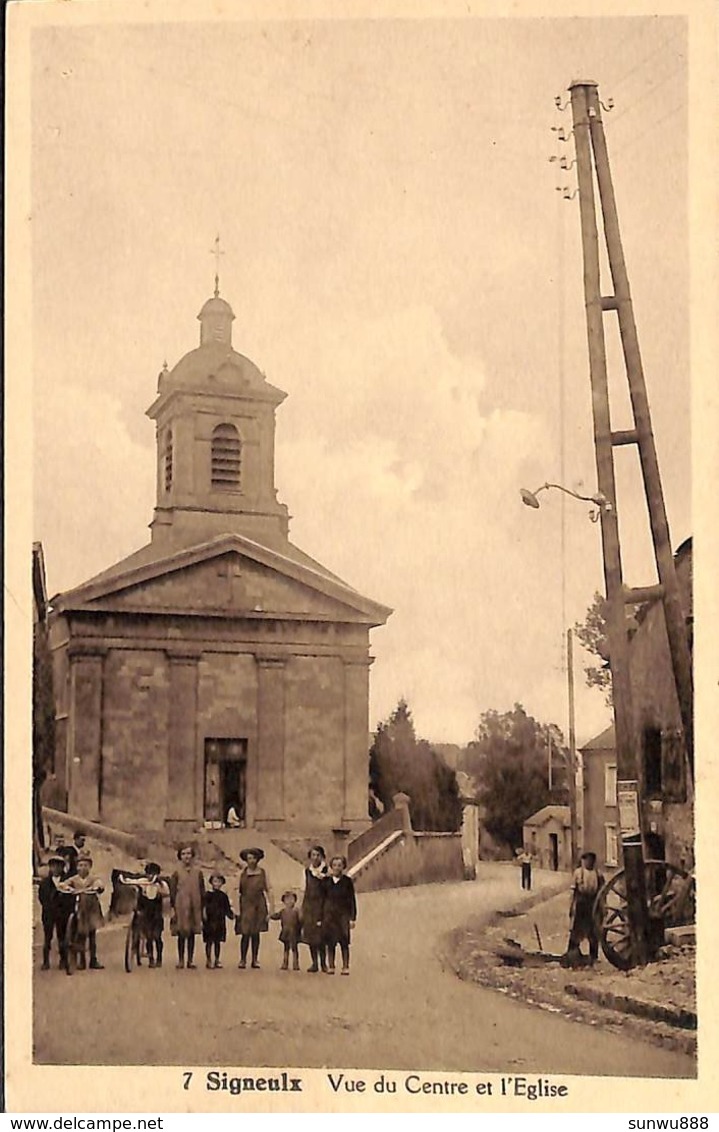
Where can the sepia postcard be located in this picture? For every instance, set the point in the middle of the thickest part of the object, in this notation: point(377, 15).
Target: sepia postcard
point(360, 494)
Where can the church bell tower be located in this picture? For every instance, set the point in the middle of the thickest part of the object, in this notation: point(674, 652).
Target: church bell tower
point(215, 432)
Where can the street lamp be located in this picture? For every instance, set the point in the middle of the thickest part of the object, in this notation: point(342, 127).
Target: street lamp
point(599, 499)
point(529, 498)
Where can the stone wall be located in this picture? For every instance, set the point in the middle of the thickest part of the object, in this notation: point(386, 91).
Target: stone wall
point(420, 858)
point(314, 722)
point(135, 699)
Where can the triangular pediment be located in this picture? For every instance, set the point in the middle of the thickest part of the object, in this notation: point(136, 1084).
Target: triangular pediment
point(231, 576)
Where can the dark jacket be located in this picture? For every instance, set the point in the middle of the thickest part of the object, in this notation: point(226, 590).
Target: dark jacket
point(339, 909)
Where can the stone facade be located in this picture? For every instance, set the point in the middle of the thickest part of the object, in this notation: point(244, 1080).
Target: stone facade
point(665, 785)
point(219, 664)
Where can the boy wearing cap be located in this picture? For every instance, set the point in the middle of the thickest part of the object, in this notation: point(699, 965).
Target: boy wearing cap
point(72, 852)
point(216, 910)
point(586, 883)
point(54, 912)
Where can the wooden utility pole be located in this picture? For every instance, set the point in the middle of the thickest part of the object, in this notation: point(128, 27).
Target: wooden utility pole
point(584, 109)
point(573, 823)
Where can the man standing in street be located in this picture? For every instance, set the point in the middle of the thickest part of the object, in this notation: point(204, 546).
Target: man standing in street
point(525, 860)
point(586, 883)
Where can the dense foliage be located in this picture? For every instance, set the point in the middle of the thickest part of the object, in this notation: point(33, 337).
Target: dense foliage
point(400, 762)
point(592, 635)
point(509, 760)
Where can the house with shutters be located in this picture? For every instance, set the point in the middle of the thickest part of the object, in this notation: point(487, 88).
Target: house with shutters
point(218, 666)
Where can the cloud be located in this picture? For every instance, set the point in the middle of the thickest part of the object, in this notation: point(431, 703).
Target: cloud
point(407, 486)
point(100, 500)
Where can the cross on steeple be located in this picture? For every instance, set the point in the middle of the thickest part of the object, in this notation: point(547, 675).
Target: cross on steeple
point(217, 253)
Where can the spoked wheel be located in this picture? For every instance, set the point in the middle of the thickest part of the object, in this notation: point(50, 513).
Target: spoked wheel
point(132, 945)
point(71, 944)
point(670, 900)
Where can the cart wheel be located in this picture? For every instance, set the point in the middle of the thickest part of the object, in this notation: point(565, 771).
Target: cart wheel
point(71, 944)
point(669, 892)
point(130, 945)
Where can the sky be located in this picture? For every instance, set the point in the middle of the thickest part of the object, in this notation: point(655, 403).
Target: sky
point(400, 262)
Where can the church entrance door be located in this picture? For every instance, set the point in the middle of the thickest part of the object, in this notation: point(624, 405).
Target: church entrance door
point(225, 779)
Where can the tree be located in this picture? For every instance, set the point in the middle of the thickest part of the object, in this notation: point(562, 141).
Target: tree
point(592, 635)
point(400, 762)
point(509, 760)
point(43, 722)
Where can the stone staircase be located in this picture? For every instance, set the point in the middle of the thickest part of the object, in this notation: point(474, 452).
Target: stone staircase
point(220, 849)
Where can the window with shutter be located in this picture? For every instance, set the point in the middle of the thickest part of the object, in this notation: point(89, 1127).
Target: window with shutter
point(226, 458)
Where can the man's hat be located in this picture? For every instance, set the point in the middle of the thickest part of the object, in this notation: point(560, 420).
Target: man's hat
point(253, 851)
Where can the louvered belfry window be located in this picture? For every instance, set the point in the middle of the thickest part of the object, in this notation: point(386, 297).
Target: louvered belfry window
point(226, 455)
point(168, 459)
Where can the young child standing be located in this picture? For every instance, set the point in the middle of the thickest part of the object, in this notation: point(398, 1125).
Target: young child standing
point(290, 930)
point(216, 910)
point(89, 912)
point(151, 890)
point(50, 902)
point(339, 913)
point(187, 889)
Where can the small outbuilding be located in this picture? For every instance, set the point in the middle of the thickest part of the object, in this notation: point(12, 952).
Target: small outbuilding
point(547, 836)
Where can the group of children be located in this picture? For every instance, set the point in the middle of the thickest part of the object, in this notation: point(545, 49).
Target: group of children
point(323, 921)
point(68, 888)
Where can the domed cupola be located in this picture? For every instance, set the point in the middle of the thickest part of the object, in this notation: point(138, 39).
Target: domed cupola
point(216, 318)
point(215, 425)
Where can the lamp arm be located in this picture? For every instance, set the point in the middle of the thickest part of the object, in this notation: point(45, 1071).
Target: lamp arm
point(599, 498)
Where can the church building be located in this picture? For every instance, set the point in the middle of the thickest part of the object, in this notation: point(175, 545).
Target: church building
point(219, 665)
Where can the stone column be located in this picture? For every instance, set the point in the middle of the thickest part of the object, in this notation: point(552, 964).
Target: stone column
point(355, 815)
point(185, 770)
point(85, 786)
point(270, 761)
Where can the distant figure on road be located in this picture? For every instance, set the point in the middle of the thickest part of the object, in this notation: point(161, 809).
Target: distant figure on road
point(586, 882)
point(254, 906)
point(311, 912)
point(339, 914)
point(525, 861)
point(187, 889)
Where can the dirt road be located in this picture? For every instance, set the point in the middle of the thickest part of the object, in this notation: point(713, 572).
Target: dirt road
point(399, 1009)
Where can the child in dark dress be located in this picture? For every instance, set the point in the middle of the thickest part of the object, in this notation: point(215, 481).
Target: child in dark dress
point(151, 889)
point(339, 913)
point(290, 930)
point(216, 910)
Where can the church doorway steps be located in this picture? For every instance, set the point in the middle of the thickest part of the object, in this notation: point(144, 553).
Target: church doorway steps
point(225, 779)
point(222, 847)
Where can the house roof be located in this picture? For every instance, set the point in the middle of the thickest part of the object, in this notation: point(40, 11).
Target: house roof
point(604, 741)
point(547, 813)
